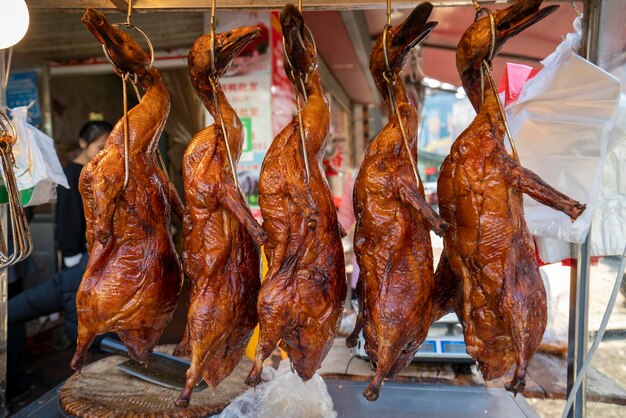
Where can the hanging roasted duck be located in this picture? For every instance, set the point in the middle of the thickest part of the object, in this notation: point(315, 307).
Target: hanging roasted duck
point(220, 256)
point(488, 272)
point(134, 276)
point(393, 220)
point(301, 298)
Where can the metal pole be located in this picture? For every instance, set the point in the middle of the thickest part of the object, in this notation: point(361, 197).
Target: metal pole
point(579, 281)
point(578, 333)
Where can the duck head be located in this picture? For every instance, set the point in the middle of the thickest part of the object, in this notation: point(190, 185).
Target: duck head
point(400, 40)
point(227, 46)
point(300, 51)
point(476, 43)
point(125, 53)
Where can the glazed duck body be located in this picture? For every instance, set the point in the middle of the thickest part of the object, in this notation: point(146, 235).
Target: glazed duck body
point(489, 248)
point(488, 272)
point(220, 255)
point(133, 278)
point(393, 222)
point(301, 298)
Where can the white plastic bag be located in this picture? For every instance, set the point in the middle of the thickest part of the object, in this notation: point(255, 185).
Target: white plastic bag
point(560, 125)
point(37, 168)
point(285, 395)
point(608, 233)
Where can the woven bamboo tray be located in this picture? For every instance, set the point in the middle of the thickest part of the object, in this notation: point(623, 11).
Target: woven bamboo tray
point(102, 390)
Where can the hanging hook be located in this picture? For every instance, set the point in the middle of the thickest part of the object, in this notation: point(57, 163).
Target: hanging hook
point(125, 78)
point(390, 80)
point(214, 81)
point(299, 81)
point(129, 11)
point(22, 240)
point(212, 33)
point(486, 65)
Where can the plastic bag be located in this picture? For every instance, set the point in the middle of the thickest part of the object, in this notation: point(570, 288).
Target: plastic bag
point(285, 395)
point(560, 124)
point(608, 233)
point(37, 168)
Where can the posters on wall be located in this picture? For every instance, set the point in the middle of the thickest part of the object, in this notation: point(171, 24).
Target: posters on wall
point(22, 91)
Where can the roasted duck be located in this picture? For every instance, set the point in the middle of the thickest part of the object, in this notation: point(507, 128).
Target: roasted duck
point(219, 256)
point(488, 272)
point(134, 276)
point(393, 220)
point(301, 298)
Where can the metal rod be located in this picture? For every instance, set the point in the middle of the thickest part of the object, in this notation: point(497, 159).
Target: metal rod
point(501, 109)
point(202, 5)
point(390, 80)
point(233, 169)
point(126, 131)
point(305, 155)
point(579, 280)
point(129, 11)
point(212, 32)
point(389, 12)
point(5, 80)
point(577, 331)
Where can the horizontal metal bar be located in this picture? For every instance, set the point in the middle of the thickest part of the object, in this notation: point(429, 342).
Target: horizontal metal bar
point(204, 5)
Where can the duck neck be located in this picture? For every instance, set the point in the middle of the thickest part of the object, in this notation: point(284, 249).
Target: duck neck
point(403, 106)
point(152, 110)
point(315, 114)
point(484, 101)
point(217, 104)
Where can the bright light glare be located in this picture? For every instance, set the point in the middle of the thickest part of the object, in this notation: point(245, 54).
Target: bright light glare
point(14, 21)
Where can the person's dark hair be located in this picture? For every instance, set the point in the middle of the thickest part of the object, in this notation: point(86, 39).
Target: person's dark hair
point(94, 130)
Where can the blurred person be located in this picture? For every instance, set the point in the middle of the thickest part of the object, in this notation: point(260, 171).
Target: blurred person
point(70, 217)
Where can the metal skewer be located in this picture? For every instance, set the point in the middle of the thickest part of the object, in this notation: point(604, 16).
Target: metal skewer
point(214, 81)
point(126, 77)
point(486, 64)
point(390, 80)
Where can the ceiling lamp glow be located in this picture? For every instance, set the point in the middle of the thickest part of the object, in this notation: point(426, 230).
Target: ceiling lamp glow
point(14, 21)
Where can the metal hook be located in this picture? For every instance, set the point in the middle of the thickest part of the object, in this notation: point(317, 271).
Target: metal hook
point(299, 81)
point(486, 65)
point(125, 78)
point(214, 86)
point(142, 33)
point(390, 81)
point(212, 33)
point(22, 240)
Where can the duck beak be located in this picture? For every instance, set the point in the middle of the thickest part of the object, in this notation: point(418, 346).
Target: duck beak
point(101, 29)
point(239, 39)
point(520, 16)
point(292, 24)
point(415, 28)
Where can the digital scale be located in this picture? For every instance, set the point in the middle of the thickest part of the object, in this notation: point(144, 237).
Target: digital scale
point(444, 342)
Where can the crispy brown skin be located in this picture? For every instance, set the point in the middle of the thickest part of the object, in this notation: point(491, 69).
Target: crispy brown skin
point(393, 222)
point(220, 256)
point(488, 273)
point(133, 278)
point(302, 295)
